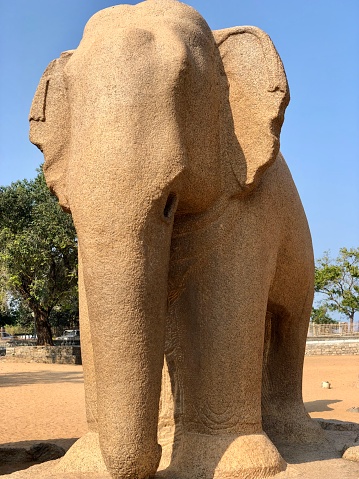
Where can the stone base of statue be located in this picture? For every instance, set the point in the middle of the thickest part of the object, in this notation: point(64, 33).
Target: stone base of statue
point(323, 469)
point(303, 462)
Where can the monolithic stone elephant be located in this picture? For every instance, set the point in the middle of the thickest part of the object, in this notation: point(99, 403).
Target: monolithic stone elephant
point(162, 139)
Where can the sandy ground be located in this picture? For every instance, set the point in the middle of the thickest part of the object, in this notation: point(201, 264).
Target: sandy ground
point(342, 372)
point(42, 402)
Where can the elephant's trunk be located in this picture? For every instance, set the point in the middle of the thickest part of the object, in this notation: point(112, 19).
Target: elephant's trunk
point(125, 266)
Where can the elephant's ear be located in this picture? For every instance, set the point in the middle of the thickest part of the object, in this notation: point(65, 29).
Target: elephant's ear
point(258, 97)
point(50, 125)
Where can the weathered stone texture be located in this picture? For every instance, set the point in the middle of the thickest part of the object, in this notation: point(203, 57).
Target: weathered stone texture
point(161, 138)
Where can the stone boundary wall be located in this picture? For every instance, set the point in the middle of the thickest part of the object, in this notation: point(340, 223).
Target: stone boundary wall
point(72, 354)
point(331, 348)
point(45, 354)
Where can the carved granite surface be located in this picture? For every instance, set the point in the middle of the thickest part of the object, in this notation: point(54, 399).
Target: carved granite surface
point(161, 138)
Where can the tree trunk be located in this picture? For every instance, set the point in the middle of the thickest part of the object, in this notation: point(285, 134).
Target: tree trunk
point(43, 328)
point(351, 322)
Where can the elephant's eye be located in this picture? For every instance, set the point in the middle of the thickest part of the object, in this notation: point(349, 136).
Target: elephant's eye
point(170, 206)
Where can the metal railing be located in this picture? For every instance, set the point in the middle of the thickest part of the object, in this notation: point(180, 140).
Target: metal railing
point(338, 329)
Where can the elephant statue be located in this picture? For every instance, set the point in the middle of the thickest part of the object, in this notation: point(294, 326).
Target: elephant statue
point(161, 138)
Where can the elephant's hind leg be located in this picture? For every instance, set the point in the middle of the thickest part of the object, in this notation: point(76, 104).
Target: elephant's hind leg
point(283, 412)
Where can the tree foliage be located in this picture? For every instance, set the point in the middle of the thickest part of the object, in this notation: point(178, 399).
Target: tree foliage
point(15, 312)
point(320, 316)
point(38, 253)
point(338, 282)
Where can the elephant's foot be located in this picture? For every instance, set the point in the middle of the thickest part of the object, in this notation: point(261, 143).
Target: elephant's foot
point(201, 456)
point(85, 457)
point(294, 426)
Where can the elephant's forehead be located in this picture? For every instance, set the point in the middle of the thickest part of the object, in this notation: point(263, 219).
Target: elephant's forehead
point(158, 16)
point(128, 60)
point(150, 11)
point(159, 44)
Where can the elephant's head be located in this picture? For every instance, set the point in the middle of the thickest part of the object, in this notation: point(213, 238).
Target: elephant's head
point(150, 116)
point(221, 99)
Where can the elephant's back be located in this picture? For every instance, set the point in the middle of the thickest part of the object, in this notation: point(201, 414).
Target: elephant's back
point(277, 202)
point(281, 192)
point(293, 228)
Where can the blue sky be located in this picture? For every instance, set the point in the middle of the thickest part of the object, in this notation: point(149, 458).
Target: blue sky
point(319, 45)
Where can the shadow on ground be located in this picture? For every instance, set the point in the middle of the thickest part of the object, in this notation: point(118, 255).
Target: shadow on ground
point(43, 377)
point(18, 456)
point(302, 453)
point(320, 405)
point(338, 436)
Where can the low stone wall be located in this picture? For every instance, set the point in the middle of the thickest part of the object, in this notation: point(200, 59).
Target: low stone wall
point(72, 354)
point(331, 348)
point(45, 354)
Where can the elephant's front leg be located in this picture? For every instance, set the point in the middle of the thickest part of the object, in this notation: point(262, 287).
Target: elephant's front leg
point(219, 324)
point(125, 272)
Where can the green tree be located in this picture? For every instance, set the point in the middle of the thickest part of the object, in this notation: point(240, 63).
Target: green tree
point(16, 312)
point(38, 252)
point(7, 316)
point(338, 282)
point(320, 316)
